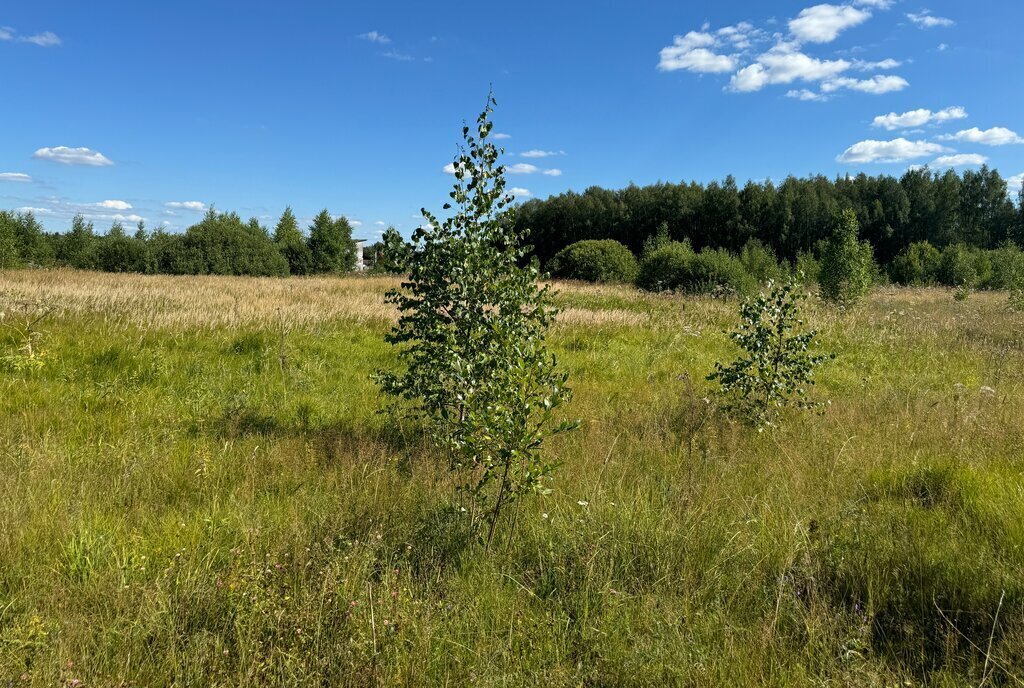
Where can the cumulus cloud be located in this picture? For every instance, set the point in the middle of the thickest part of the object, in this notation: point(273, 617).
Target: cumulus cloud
point(522, 168)
point(501, 137)
point(553, 173)
point(960, 160)
point(520, 192)
point(875, 85)
point(197, 206)
point(823, 23)
point(114, 205)
point(73, 156)
point(784, 64)
point(449, 168)
point(918, 118)
point(375, 37)
point(694, 52)
point(996, 136)
point(1016, 182)
point(897, 150)
point(14, 177)
point(926, 20)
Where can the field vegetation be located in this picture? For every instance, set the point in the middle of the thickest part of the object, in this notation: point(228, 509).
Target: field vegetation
point(199, 489)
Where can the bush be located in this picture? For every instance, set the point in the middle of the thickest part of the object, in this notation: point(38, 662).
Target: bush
point(662, 268)
point(1007, 267)
point(675, 267)
point(594, 260)
point(846, 264)
point(918, 265)
point(958, 267)
point(760, 262)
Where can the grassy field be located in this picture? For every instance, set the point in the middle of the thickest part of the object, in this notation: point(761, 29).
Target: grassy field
point(198, 490)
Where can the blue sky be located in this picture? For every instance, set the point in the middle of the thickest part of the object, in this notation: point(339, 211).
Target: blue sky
point(157, 110)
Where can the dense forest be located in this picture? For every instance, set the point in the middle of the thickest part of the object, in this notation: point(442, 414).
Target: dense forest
point(922, 228)
point(974, 209)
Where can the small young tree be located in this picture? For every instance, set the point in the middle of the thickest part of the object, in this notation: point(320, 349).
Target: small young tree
point(471, 338)
point(846, 264)
point(777, 365)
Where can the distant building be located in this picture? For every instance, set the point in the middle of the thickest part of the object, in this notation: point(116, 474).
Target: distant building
point(360, 263)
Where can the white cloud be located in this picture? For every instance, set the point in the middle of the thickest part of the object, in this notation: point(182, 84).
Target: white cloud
point(926, 20)
point(73, 156)
point(34, 211)
point(375, 37)
point(197, 206)
point(783, 64)
point(46, 39)
point(520, 192)
point(864, 66)
point(877, 4)
point(14, 177)
point(805, 94)
point(824, 23)
point(918, 118)
point(117, 217)
point(541, 153)
point(522, 168)
point(449, 168)
point(381, 223)
point(395, 55)
point(960, 160)
point(876, 85)
point(500, 136)
point(943, 47)
point(553, 173)
point(114, 205)
point(354, 222)
point(897, 150)
point(693, 52)
point(1016, 182)
point(996, 136)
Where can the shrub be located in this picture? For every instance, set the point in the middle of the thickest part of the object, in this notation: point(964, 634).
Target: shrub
point(777, 365)
point(808, 266)
point(958, 267)
point(472, 339)
point(760, 262)
point(675, 267)
point(918, 265)
point(595, 260)
point(846, 264)
point(1007, 267)
point(662, 268)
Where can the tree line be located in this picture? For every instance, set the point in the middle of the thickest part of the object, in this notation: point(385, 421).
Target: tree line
point(974, 209)
point(219, 244)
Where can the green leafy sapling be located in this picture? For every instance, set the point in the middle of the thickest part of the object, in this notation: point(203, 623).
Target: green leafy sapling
point(777, 365)
point(471, 338)
point(847, 264)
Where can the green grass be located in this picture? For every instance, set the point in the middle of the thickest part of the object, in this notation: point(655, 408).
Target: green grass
point(192, 501)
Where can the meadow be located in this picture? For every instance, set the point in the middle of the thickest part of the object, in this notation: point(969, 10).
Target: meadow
point(199, 488)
